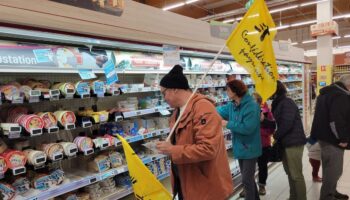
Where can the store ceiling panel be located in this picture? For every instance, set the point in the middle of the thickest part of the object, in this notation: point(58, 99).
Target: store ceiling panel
point(286, 14)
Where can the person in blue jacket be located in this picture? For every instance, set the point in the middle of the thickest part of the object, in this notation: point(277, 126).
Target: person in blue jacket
point(243, 119)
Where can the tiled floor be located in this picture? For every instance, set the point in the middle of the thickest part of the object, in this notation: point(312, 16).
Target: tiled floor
point(278, 188)
point(277, 183)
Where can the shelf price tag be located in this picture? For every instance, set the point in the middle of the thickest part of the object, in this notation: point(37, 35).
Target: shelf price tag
point(69, 126)
point(53, 129)
point(19, 170)
point(17, 100)
point(34, 96)
point(54, 95)
point(164, 112)
point(14, 132)
point(93, 180)
point(40, 160)
point(57, 156)
point(88, 151)
point(86, 124)
point(118, 118)
point(36, 131)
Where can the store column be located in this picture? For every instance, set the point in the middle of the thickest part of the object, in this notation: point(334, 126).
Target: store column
point(324, 46)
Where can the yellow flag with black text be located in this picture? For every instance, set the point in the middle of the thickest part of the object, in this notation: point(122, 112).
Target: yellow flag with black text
point(251, 46)
point(146, 186)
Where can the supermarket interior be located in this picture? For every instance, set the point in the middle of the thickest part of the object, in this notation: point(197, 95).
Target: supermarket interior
point(79, 76)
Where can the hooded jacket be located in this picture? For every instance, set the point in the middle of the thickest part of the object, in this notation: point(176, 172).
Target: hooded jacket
point(244, 123)
point(331, 122)
point(200, 154)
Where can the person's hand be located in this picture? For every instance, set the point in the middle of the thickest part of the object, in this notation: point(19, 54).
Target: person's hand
point(164, 147)
point(224, 123)
point(344, 144)
point(262, 117)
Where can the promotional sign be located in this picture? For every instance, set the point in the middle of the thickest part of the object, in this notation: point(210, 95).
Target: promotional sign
point(112, 7)
point(171, 56)
point(110, 73)
point(342, 59)
point(325, 28)
point(221, 30)
point(324, 76)
point(27, 56)
point(137, 60)
point(53, 57)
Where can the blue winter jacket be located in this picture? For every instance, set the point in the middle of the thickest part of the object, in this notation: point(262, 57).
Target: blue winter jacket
point(244, 123)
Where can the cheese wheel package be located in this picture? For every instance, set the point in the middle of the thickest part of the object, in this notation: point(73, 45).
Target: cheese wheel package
point(10, 92)
point(65, 117)
point(101, 141)
point(83, 143)
point(35, 157)
point(49, 119)
point(100, 164)
point(21, 185)
point(3, 165)
point(14, 158)
point(70, 149)
point(7, 191)
point(30, 122)
point(115, 158)
point(52, 150)
point(25, 89)
point(65, 88)
point(57, 176)
point(82, 88)
point(42, 182)
point(98, 87)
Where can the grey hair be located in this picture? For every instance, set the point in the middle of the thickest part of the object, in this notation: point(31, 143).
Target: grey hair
point(345, 79)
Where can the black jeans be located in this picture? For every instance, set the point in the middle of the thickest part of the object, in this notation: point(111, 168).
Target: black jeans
point(262, 163)
point(247, 167)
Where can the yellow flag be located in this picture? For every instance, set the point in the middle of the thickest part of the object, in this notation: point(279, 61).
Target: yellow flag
point(146, 186)
point(251, 46)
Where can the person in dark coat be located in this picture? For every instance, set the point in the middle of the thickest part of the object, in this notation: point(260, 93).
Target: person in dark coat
point(290, 134)
point(331, 127)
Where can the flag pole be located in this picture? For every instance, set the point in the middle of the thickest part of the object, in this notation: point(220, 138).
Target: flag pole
point(194, 92)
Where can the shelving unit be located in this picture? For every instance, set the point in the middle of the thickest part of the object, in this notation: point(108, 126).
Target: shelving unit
point(79, 178)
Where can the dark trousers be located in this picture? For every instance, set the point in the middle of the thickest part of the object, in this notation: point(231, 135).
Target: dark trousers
point(263, 160)
point(332, 158)
point(247, 167)
point(315, 167)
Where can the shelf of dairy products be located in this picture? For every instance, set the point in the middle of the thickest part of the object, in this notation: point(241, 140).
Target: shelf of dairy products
point(78, 179)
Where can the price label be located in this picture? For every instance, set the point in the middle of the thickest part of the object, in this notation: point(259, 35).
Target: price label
point(54, 93)
point(53, 130)
point(164, 112)
point(57, 156)
point(35, 132)
point(14, 135)
point(73, 151)
point(93, 180)
point(138, 113)
point(35, 93)
point(85, 96)
point(40, 160)
point(18, 170)
point(70, 126)
point(116, 92)
point(17, 100)
point(87, 124)
point(88, 152)
point(118, 118)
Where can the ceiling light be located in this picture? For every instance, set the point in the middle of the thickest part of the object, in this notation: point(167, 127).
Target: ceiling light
point(282, 27)
point(283, 9)
point(173, 6)
point(308, 41)
point(294, 43)
point(239, 18)
point(311, 3)
point(303, 23)
point(191, 1)
point(229, 20)
point(336, 37)
point(341, 16)
point(347, 36)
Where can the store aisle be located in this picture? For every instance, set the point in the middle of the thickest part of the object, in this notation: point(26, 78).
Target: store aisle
point(277, 183)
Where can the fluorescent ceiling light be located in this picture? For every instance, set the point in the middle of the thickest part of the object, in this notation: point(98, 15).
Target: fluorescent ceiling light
point(303, 23)
point(173, 6)
point(311, 3)
point(191, 1)
point(229, 20)
point(308, 41)
point(336, 50)
point(294, 43)
point(282, 27)
point(239, 18)
point(341, 16)
point(283, 9)
point(347, 36)
point(336, 37)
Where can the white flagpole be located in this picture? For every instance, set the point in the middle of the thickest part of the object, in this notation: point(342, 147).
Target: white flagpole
point(194, 92)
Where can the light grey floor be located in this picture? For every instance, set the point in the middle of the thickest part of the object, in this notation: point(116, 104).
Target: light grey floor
point(278, 188)
point(277, 183)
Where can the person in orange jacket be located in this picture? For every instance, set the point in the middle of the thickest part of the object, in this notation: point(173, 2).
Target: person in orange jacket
point(200, 168)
